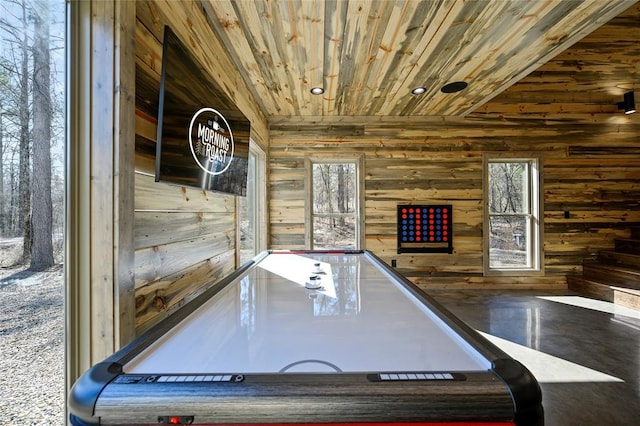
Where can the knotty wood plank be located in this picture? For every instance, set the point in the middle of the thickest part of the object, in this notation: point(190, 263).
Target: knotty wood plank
point(158, 299)
point(156, 262)
point(104, 334)
point(303, 21)
point(155, 196)
point(361, 40)
point(259, 59)
point(427, 25)
point(161, 228)
point(334, 58)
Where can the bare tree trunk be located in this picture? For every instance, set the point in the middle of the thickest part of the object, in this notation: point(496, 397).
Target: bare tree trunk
point(14, 199)
point(341, 194)
point(41, 208)
point(24, 212)
point(326, 174)
point(3, 210)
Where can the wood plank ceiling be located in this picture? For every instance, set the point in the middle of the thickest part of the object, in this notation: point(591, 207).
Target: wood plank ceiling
point(369, 55)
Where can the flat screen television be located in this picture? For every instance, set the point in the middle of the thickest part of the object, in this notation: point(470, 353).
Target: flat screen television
point(203, 138)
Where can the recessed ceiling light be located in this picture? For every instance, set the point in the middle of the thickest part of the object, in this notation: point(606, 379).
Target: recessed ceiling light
point(418, 90)
point(456, 86)
point(317, 91)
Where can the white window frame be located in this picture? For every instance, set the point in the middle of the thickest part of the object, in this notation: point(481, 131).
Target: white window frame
point(358, 160)
point(259, 212)
point(534, 216)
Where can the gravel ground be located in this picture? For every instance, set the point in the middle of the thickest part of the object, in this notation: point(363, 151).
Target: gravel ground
point(31, 347)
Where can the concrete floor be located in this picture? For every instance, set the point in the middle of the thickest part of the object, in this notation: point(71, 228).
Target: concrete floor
point(585, 353)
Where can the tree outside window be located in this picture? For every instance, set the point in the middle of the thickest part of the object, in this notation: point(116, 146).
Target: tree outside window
point(512, 211)
point(334, 205)
point(32, 129)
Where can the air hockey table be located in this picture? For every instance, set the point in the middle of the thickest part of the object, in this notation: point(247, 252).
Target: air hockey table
point(309, 337)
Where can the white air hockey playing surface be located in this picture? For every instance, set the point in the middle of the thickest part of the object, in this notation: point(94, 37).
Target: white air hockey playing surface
point(268, 321)
point(302, 337)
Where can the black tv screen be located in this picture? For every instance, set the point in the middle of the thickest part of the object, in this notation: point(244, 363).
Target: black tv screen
point(203, 138)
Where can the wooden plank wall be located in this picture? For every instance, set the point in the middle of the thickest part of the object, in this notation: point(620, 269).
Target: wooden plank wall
point(441, 162)
point(565, 112)
point(184, 238)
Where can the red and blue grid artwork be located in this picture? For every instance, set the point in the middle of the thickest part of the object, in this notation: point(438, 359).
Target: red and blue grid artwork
point(425, 229)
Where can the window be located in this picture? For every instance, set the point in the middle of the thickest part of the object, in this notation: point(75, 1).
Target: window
point(334, 206)
point(251, 223)
point(33, 256)
point(512, 228)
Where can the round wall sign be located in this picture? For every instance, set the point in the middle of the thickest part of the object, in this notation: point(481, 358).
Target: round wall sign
point(211, 141)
